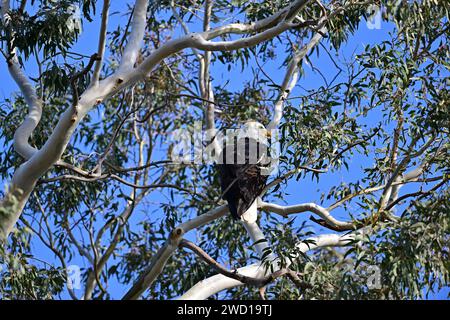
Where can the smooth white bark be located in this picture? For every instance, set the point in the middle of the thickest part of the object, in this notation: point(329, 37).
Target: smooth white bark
point(23, 133)
point(163, 255)
point(27, 175)
point(249, 220)
point(101, 42)
point(215, 284)
point(305, 207)
point(132, 50)
point(291, 78)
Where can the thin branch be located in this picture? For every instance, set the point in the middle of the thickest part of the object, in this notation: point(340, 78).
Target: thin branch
point(220, 282)
point(101, 43)
point(292, 75)
point(252, 281)
point(419, 194)
point(285, 211)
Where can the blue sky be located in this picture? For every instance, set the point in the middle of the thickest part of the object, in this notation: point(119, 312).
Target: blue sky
point(296, 192)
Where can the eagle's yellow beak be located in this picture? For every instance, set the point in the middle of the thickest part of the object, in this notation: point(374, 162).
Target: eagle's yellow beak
point(268, 134)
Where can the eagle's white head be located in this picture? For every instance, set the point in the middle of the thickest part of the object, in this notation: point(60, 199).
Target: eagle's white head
point(254, 130)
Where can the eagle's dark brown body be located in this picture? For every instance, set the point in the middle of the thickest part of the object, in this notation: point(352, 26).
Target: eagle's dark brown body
point(242, 182)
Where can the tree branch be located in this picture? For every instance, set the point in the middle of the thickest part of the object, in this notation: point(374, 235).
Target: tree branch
point(32, 119)
point(25, 178)
point(101, 43)
point(220, 282)
point(166, 251)
point(133, 46)
point(285, 211)
point(291, 77)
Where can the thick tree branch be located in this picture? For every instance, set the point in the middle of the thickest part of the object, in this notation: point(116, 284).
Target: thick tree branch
point(25, 130)
point(133, 46)
point(166, 251)
point(257, 236)
point(258, 282)
point(27, 175)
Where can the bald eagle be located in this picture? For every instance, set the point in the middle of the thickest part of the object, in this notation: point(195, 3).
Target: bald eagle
point(242, 162)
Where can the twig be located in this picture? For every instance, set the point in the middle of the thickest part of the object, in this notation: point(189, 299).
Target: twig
point(78, 75)
point(257, 282)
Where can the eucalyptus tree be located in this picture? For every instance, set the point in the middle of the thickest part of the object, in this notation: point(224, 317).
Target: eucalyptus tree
point(88, 145)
